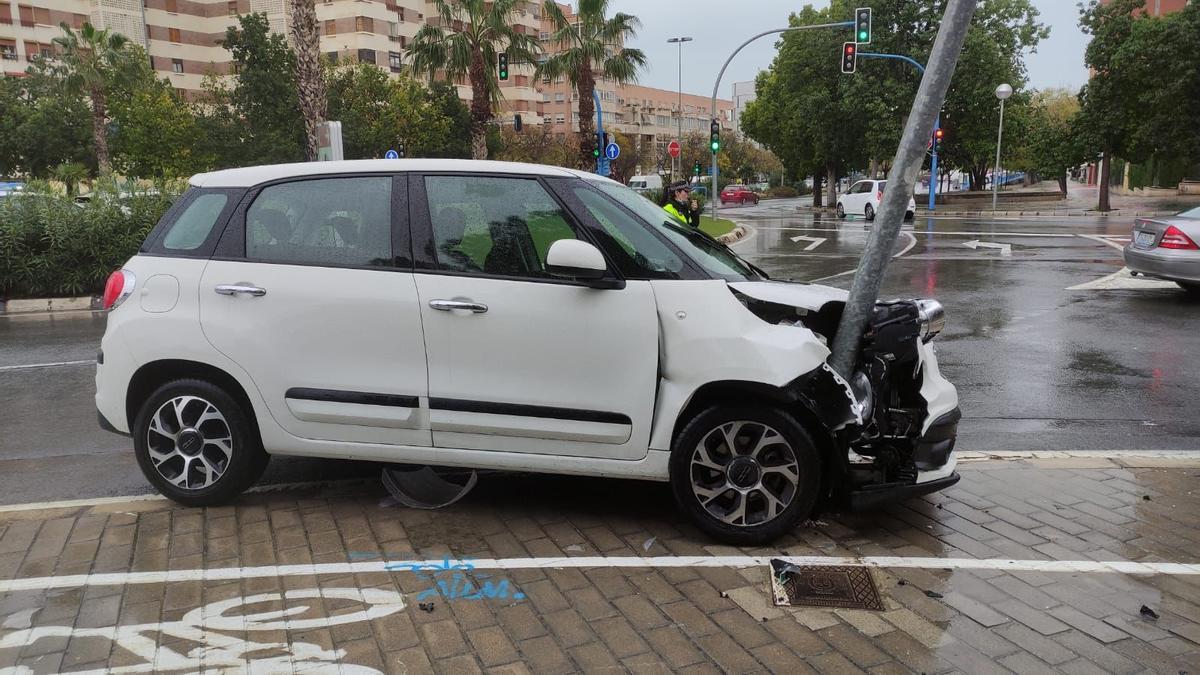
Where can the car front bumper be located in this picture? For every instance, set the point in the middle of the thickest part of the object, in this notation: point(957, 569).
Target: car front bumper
point(936, 463)
point(1169, 265)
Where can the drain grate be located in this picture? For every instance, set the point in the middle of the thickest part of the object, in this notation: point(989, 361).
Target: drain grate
point(844, 586)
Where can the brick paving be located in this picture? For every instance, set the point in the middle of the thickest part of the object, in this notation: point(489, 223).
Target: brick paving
point(611, 619)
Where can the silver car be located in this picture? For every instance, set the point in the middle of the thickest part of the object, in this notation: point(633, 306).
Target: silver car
point(1165, 248)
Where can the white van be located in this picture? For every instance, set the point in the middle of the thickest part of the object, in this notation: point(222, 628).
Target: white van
point(651, 182)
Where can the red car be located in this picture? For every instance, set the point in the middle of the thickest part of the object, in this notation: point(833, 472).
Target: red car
point(738, 194)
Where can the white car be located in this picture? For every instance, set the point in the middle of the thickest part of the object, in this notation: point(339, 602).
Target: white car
point(863, 199)
point(505, 316)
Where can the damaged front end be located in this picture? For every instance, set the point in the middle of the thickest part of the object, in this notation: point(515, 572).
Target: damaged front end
point(893, 424)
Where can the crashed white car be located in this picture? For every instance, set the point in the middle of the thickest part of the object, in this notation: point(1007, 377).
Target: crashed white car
point(503, 316)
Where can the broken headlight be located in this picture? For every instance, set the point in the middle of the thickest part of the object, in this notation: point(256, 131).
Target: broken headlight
point(932, 316)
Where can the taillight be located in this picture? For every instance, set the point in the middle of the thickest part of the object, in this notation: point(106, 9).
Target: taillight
point(119, 286)
point(879, 195)
point(1174, 238)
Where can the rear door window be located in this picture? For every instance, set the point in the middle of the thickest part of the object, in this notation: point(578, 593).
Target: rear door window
point(193, 225)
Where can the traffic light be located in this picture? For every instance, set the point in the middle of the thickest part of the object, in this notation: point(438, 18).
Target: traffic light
point(849, 57)
point(715, 136)
point(502, 64)
point(400, 151)
point(696, 168)
point(598, 149)
point(862, 25)
point(517, 123)
point(938, 136)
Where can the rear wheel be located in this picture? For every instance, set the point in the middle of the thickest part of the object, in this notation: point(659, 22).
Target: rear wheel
point(841, 212)
point(1192, 288)
point(745, 474)
point(196, 445)
point(870, 212)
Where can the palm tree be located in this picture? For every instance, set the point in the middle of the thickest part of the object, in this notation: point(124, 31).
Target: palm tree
point(464, 43)
point(310, 77)
point(90, 58)
point(591, 45)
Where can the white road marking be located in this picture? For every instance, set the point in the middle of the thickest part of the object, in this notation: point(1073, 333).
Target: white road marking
point(815, 241)
point(912, 243)
point(1124, 281)
point(1005, 249)
point(592, 562)
point(1103, 240)
point(979, 455)
point(55, 364)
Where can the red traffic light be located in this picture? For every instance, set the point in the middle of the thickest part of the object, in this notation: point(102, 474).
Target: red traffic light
point(849, 57)
point(849, 49)
point(939, 134)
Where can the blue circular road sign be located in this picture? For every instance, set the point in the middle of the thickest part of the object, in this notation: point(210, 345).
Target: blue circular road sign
point(391, 154)
point(612, 151)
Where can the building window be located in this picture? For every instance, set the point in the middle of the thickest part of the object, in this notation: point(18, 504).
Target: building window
point(173, 34)
point(170, 6)
point(330, 27)
point(5, 13)
point(394, 61)
point(333, 57)
point(544, 36)
point(559, 97)
point(400, 13)
point(8, 52)
point(403, 41)
point(233, 8)
point(364, 24)
point(46, 51)
point(177, 66)
point(560, 118)
point(366, 56)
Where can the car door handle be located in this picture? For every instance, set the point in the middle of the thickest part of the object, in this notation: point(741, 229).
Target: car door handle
point(451, 305)
point(240, 289)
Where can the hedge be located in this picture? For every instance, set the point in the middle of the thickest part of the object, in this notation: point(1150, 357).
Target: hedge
point(52, 246)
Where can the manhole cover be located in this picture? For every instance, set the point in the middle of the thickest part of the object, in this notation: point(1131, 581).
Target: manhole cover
point(843, 586)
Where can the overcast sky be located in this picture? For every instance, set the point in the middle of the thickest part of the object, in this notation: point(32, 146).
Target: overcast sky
point(720, 26)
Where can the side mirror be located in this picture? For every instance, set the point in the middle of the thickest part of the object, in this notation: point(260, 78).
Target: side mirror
point(574, 259)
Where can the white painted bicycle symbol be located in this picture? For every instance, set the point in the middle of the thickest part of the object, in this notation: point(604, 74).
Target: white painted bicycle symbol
point(220, 653)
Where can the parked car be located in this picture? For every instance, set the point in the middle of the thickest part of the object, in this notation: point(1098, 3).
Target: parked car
point(511, 317)
point(1165, 248)
point(864, 197)
point(738, 194)
point(648, 182)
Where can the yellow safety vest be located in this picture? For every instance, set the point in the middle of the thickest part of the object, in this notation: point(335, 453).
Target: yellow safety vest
point(670, 208)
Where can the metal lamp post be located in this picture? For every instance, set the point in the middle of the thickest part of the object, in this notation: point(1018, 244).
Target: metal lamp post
point(1002, 93)
point(679, 41)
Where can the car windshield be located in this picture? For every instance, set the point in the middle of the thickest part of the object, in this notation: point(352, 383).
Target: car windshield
point(709, 254)
point(1191, 213)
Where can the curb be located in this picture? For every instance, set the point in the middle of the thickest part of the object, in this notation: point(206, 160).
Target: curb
point(922, 213)
point(46, 305)
point(736, 234)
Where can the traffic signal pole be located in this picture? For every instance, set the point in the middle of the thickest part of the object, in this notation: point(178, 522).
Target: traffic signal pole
point(716, 86)
point(937, 124)
point(864, 290)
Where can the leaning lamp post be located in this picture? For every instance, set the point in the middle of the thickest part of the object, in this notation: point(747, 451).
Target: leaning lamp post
point(1002, 93)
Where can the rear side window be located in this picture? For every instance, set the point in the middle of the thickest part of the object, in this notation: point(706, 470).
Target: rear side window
point(193, 225)
point(338, 222)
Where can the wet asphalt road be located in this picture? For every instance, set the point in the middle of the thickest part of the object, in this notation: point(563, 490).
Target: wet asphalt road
point(1038, 365)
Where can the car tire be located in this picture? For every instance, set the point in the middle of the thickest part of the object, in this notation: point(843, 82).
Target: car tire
point(909, 216)
point(870, 212)
point(701, 470)
point(188, 420)
point(841, 212)
point(1192, 288)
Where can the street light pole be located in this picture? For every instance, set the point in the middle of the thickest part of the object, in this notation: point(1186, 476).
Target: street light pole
point(1002, 93)
point(679, 136)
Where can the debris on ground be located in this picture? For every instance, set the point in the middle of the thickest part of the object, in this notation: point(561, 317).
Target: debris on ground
point(933, 594)
point(427, 487)
point(649, 542)
point(425, 606)
point(1148, 613)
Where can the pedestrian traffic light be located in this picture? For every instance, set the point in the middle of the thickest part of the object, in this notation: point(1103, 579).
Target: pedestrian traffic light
point(862, 25)
point(715, 136)
point(938, 135)
point(849, 57)
point(516, 122)
point(696, 168)
point(502, 64)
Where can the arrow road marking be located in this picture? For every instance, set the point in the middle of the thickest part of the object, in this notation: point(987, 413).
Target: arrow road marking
point(816, 241)
point(1005, 249)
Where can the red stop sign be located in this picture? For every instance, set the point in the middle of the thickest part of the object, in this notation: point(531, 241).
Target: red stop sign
point(673, 149)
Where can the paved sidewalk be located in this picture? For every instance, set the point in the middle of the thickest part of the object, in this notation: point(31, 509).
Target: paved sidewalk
point(1026, 566)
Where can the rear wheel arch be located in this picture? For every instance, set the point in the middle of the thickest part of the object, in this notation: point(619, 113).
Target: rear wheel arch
point(150, 376)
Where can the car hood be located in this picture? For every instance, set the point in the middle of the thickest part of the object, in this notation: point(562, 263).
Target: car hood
point(806, 296)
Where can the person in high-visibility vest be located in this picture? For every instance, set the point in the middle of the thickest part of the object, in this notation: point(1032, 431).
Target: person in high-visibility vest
point(681, 205)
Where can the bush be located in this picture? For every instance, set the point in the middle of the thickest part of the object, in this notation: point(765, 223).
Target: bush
point(52, 246)
point(782, 192)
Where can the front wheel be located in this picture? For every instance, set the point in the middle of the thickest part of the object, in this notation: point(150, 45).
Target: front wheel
point(841, 212)
point(196, 445)
point(745, 475)
point(870, 212)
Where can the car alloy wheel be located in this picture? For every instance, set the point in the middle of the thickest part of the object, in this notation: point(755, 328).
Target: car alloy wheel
point(744, 473)
point(841, 212)
point(870, 212)
point(189, 442)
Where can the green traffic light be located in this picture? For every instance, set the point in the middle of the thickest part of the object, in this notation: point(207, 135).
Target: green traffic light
point(716, 146)
point(862, 35)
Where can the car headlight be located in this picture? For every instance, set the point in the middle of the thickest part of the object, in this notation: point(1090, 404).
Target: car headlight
point(932, 316)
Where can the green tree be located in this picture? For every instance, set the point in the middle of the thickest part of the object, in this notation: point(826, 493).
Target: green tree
point(90, 60)
point(465, 43)
point(536, 145)
point(1051, 145)
point(591, 45)
point(457, 143)
point(310, 77)
point(43, 123)
point(262, 122)
point(155, 133)
point(378, 112)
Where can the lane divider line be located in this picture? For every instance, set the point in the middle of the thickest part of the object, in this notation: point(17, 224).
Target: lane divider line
point(589, 562)
point(55, 364)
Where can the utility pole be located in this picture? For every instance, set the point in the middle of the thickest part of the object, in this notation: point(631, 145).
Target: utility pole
point(864, 290)
point(679, 111)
